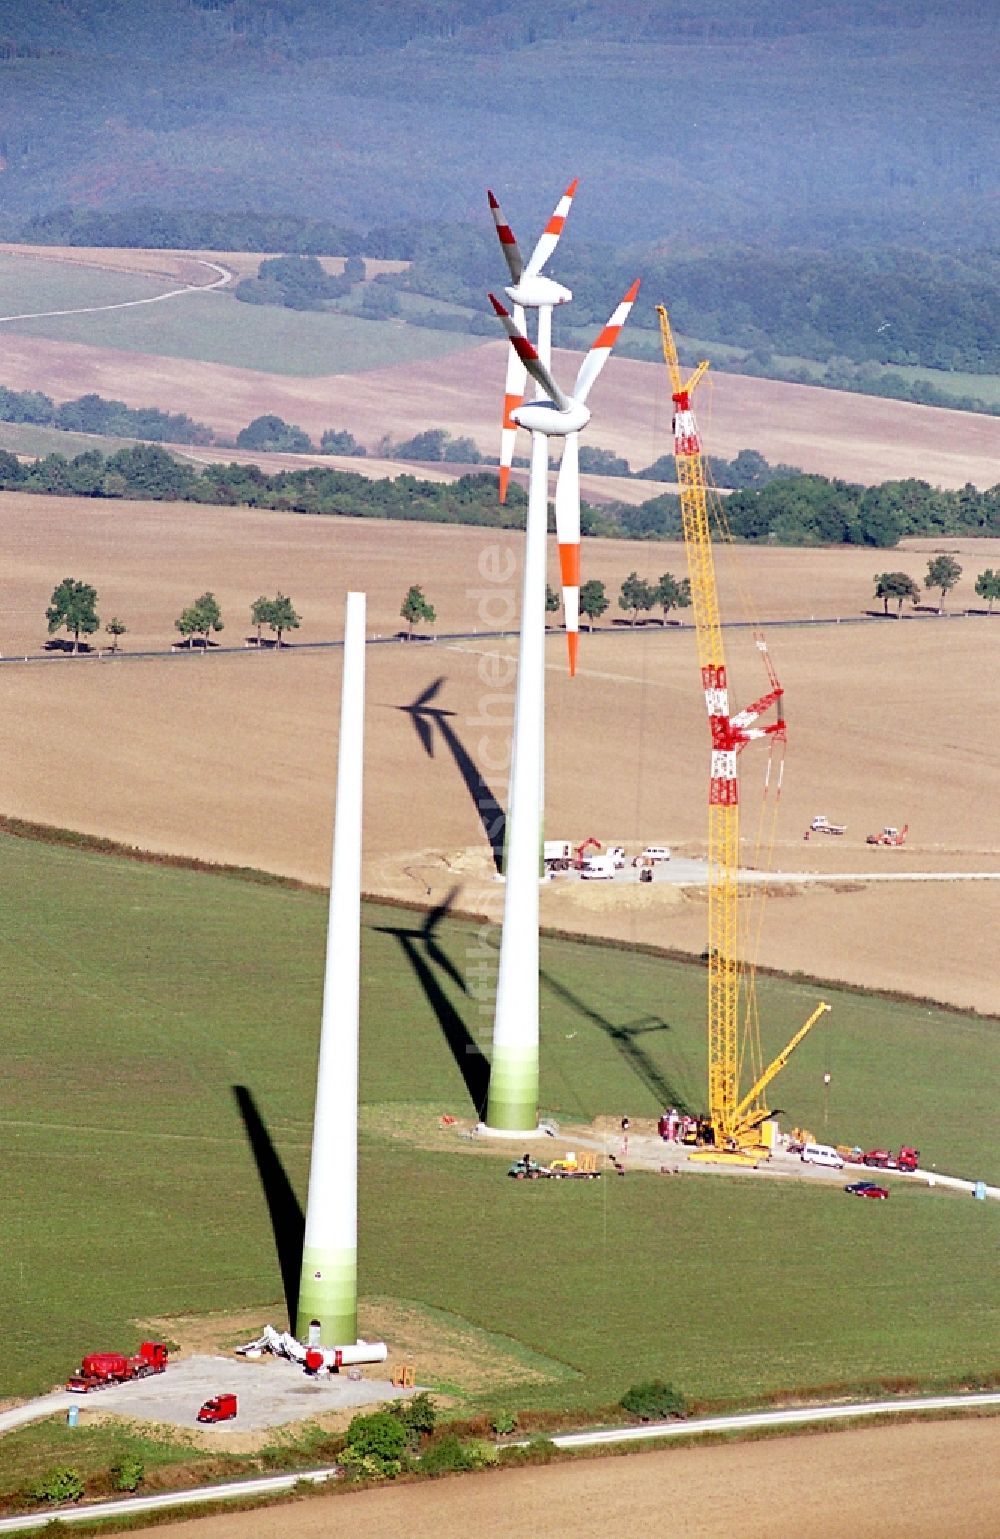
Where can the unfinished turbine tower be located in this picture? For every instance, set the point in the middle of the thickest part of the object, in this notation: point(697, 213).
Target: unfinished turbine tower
point(513, 1096)
point(328, 1293)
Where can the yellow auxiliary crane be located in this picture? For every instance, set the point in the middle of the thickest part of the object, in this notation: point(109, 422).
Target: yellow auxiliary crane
point(735, 1119)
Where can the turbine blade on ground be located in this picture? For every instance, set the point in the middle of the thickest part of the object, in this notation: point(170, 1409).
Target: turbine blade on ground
point(508, 240)
point(549, 238)
point(528, 355)
point(512, 399)
point(600, 352)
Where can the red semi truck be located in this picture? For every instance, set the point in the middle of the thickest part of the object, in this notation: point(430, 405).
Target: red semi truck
point(100, 1369)
point(883, 1159)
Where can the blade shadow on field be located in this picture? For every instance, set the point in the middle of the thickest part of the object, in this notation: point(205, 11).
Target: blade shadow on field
point(624, 1039)
point(288, 1223)
point(427, 959)
point(425, 716)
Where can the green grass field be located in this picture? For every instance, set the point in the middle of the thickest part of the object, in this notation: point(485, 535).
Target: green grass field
point(29, 284)
point(216, 328)
point(138, 996)
point(33, 439)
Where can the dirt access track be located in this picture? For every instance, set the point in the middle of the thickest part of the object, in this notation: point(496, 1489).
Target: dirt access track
point(833, 433)
point(919, 1481)
point(885, 727)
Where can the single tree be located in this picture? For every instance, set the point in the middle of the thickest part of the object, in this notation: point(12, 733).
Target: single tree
point(282, 617)
point(339, 441)
point(636, 594)
point(988, 586)
point(671, 594)
point(897, 585)
point(943, 573)
point(552, 600)
point(258, 614)
point(73, 606)
point(201, 617)
point(115, 628)
point(274, 435)
point(593, 600)
point(415, 607)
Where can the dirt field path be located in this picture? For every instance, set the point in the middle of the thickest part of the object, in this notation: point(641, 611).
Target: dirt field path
point(923, 1481)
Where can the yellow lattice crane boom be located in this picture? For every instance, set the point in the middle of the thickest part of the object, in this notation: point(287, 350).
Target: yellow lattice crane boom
point(735, 1119)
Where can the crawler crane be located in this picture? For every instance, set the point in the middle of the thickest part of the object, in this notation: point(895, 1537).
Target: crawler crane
point(735, 1118)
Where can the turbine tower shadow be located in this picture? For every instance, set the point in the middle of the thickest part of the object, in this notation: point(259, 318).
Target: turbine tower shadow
point(288, 1223)
point(424, 954)
point(423, 714)
point(623, 1038)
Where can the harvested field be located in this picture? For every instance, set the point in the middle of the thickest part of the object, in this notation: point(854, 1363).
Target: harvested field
point(911, 1482)
point(831, 432)
point(883, 717)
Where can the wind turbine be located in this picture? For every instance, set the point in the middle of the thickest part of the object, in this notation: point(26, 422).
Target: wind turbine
point(529, 289)
point(513, 1095)
point(554, 414)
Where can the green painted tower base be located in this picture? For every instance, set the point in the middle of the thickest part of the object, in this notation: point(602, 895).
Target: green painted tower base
point(513, 1099)
point(328, 1297)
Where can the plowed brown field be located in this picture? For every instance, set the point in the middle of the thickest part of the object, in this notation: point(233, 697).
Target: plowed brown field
point(230, 756)
point(914, 1482)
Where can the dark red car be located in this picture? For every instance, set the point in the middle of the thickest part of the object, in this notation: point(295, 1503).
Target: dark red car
point(867, 1189)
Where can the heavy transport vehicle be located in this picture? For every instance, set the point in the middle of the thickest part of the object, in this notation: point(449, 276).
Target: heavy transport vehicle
point(568, 1169)
point(908, 1158)
point(890, 836)
point(558, 854)
point(100, 1369)
point(219, 1408)
point(822, 825)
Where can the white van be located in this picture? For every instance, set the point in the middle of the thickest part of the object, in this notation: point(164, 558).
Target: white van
point(822, 1154)
point(655, 852)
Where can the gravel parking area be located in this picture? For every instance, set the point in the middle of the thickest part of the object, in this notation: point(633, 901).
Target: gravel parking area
point(270, 1391)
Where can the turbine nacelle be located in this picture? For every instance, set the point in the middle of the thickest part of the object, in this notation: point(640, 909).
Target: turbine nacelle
point(551, 420)
point(534, 291)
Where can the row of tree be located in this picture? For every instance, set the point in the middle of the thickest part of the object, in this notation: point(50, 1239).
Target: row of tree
point(73, 607)
point(942, 575)
point(793, 510)
point(269, 433)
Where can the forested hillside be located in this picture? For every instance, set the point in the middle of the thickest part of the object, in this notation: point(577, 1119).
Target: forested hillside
point(716, 118)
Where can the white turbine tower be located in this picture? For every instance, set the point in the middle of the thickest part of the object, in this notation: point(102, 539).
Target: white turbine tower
point(513, 1096)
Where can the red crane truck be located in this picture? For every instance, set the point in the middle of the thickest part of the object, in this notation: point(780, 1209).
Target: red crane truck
point(99, 1369)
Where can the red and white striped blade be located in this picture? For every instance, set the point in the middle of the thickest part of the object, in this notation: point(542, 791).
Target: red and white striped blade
point(528, 354)
point(549, 238)
point(568, 540)
point(600, 352)
point(508, 240)
point(513, 396)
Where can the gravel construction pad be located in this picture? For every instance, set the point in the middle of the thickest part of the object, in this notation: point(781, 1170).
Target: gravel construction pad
point(270, 1391)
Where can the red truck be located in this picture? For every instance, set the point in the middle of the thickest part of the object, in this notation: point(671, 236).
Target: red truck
point(219, 1408)
point(883, 1159)
point(99, 1369)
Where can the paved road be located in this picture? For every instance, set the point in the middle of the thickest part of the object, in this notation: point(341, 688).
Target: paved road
point(747, 1422)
